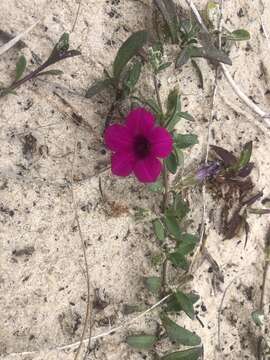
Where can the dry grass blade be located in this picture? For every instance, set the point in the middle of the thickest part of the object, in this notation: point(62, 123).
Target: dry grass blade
point(17, 38)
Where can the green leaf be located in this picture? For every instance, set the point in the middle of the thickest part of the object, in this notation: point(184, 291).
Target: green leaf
point(133, 75)
point(156, 187)
point(238, 35)
point(63, 42)
point(198, 72)
point(258, 317)
point(159, 230)
point(185, 303)
point(168, 10)
point(20, 67)
point(190, 354)
point(53, 72)
point(183, 141)
point(172, 225)
point(210, 53)
point(182, 58)
point(164, 66)
point(245, 155)
point(187, 244)
point(174, 306)
point(180, 157)
point(186, 116)
point(129, 49)
point(171, 163)
point(173, 101)
point(141, 342)
point(181, 208)
point(153, 284)
point(97, 87)
point(178, 334)
point(178, 260)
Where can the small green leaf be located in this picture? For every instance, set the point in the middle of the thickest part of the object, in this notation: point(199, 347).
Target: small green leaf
point(182, 58)
point(172, 225)
point(178, 260)
point(53, 72)
point(198, 72)
point(141, 342)
point(164, 66)
point(186, 115)
point(129, 49)
point(97, 87)
point(131, 309)
point(168, 10)
point(156, 187)
point(211, 53)
point(173, 101)
point(185, 303)
point(174, 306)
point(187, 244)
point(238, 35)
point(20, 67)
point(183, 141)
point(63, 42)
point(181, 208)
point(171, 163)
point(258, 317)
point(245, 155)
point(133, 76)
point(153, 284)
point(178, 334)
point(180, 157)
point(159, 230)
point(190, 354)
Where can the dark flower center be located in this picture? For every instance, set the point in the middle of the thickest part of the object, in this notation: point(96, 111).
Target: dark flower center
point(141, 147)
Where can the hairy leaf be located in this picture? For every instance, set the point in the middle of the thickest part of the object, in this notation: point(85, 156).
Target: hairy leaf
point(187, 244)
point(54, 72)
point(210, 53)
point(129, 49)
point(133, 75)
point(198, 72)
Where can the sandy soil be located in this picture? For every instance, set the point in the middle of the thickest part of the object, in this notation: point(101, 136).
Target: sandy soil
point(42, 282)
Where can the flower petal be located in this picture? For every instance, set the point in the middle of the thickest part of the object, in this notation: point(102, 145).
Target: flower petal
point(161, 141)
point(117, 138)
point(148, 169)
point(140, 121)
point(122, 163)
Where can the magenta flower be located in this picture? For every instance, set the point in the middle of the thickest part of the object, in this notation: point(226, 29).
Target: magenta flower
point(137, 145)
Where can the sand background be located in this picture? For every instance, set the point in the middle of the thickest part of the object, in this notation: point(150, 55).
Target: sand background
point(42, 282)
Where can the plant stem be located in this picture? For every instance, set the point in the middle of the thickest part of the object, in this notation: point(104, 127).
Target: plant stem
point(157, 92)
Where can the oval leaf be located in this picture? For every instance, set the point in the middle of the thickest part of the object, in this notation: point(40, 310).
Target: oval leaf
point(153, 284)
point(190, 354)
point(245, 155)
point(172, 225)
point(171, 163)
point(20, 67)
point(178, 260)
point(178, 334)
point(159, 230)
point(238, 35)
point(97, 87)
point(183, 141)
point(141, 342)
point(185, 303)
point(129, 49)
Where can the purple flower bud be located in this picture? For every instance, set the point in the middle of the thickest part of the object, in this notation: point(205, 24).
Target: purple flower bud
point(208, 170)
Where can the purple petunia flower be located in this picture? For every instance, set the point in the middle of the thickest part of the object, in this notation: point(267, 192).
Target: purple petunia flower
point(137, 145)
